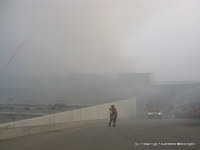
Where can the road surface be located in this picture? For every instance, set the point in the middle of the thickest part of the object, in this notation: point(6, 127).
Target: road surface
point(134, 134)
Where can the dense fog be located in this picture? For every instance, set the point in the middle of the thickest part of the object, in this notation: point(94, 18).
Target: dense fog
point(44, 42)
point(66, 36)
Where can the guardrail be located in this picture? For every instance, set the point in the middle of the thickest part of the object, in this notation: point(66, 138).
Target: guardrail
point(68, 119)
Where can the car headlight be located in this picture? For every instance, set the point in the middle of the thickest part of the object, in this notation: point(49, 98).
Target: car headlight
point(159, 113)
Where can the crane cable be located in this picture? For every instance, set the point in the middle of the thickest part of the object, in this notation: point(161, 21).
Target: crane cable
point(6, 65)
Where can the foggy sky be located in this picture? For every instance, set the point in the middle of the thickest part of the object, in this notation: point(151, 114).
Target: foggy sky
point(101, 36)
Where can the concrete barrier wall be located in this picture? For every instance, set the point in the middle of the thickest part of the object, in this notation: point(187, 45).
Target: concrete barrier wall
point(68, 119)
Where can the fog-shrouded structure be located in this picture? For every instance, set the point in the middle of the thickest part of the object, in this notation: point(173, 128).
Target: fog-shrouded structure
point(96, 51)
point(92, 89)
point(84, 89)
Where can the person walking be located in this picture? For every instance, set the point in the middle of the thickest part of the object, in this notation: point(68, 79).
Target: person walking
point(113, 115)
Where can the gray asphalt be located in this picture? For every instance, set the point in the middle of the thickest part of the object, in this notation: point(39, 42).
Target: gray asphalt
point(139, 134)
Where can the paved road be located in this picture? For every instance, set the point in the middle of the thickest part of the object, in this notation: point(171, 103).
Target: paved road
point(128, 135)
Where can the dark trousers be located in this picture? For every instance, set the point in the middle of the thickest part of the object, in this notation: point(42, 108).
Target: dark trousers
point(112, 120)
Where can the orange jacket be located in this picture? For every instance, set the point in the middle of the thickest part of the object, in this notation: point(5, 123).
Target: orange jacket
point(113, 112)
